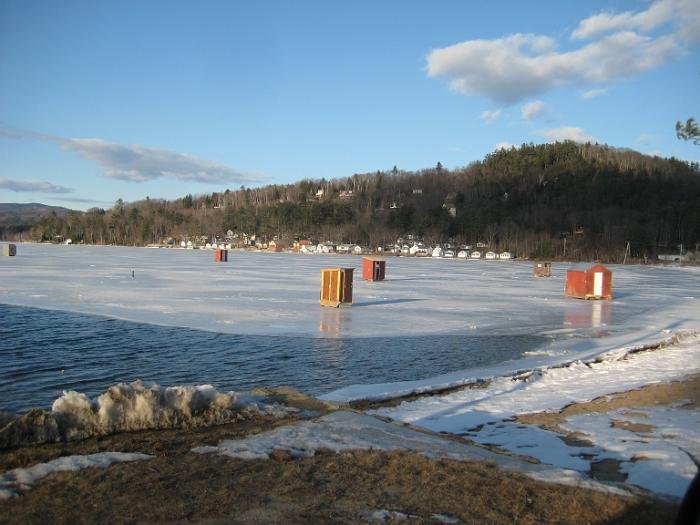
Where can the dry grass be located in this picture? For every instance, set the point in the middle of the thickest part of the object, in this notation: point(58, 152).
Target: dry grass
point(178, 485)
point(329, 487)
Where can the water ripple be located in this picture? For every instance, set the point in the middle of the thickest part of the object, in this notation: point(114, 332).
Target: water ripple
point(43, 352)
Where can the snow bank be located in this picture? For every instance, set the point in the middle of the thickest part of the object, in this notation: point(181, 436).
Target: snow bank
point(13, 482)
point(588, 352)
point(659, 460)
point(136, 406)
point(550, 389)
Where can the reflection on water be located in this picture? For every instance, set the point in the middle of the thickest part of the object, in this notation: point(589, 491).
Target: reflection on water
point(589, 314)
point(44, 352)
point(332, 321)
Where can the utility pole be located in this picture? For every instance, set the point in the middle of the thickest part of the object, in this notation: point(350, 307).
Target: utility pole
point(627, 252)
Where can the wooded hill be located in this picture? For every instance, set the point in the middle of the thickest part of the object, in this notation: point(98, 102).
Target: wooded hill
point(534, 201)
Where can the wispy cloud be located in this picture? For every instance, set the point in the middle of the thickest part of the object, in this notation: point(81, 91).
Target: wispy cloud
point(532, 110)
point(566, 133)
point(593, 93)
point(490, 116)
point(645, 138)
point(31, 186)
point(137, 163)
point(517, 66)
point(683, 14)
point(81, 200)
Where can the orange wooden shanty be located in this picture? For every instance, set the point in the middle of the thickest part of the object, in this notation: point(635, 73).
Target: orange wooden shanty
point(594, 283)
point(542, 269)
point(373, 268)
point(220, 255)
point(336, 287)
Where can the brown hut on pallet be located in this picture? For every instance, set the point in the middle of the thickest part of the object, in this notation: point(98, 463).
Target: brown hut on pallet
point(594, 283)
point(336, 287)
point(542, 269)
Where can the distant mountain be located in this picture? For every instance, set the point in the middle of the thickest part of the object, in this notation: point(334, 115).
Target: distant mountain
point(16, 218)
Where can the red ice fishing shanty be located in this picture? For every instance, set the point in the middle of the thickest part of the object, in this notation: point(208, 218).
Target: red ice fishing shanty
point(373, 268)
point(594, 283)
point(221, 255)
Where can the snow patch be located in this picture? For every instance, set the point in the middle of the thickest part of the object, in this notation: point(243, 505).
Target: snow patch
point(657, 459)
point(16, 481)
point(344, 431)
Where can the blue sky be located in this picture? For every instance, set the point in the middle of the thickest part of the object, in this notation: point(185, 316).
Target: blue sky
point(106, 100)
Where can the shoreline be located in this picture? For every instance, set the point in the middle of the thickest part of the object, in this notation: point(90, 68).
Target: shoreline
point(346, 486)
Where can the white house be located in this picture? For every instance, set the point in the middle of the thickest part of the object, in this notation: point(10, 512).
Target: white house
point(437, 252)
point(505, 255)
point(490, 255)
point(476, 254)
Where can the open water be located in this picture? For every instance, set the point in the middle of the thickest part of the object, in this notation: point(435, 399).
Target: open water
point(44, 352)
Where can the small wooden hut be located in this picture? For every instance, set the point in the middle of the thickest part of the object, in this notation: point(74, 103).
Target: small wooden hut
point(336, 287)
point(373, 268)
point(594, 283)
point(542, 269)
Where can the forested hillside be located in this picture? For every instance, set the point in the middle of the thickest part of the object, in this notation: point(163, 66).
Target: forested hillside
point(535, 200)
point(16, 219)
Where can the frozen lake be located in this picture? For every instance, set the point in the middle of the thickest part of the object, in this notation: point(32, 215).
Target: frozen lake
point(72, 317)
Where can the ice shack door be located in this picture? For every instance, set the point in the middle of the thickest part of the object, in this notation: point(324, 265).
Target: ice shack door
point(598, 284)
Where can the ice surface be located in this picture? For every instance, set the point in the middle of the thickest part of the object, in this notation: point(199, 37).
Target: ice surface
point(277, 293)
point(13, 482)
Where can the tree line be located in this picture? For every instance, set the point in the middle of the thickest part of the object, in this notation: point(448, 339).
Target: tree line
point(550, 200)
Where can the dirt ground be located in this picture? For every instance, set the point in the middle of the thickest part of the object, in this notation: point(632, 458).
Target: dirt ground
point(354, 487)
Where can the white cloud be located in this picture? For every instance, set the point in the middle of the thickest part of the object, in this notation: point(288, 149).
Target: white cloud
point(645, 138)
point(518, 66)
point(138, 163)
point(490, 116)
point(533, 110)
point(503, 145)
point(567, 133)
point(32, 186)
point(592, 93)
point(657, 14)
point(683, 14)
